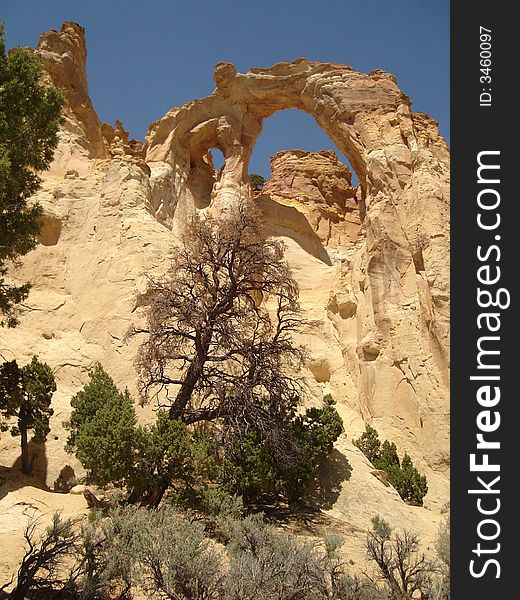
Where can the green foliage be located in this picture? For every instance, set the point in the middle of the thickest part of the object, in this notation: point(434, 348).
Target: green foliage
point(256, 181)
point(369, 444)
point(26, 394)
point(264, 564)
point(412, 486)
point(161, 552)
point(216, 502)
point(250, 469)
point(316, 431)
point(104, 434)
point(103, 431)
point(403, 475)
point(388, 461)
point(105, 444)
point(99, 392)
point(107, 441)
point(29, 122)
point(164, 454)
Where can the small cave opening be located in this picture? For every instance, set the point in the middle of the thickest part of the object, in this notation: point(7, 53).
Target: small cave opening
point(418, 261)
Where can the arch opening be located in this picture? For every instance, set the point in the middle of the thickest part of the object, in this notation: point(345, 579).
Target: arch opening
point(205, 172)
point(218, 159)
point(288, 129)
point(311, 193)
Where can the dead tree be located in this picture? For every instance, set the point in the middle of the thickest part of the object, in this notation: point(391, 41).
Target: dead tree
point(219, 331)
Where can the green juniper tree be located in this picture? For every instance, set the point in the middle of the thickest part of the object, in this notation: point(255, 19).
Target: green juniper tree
point(369, 443)
point(114, 449)
point(25, 394)
point(402, 474)
point(102, 428)
point(29, 122)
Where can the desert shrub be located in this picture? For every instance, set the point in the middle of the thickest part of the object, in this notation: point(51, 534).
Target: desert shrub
point(403, 475)
point(401, 568)
point(266, 565)
point(357, 588)
point(442, 543)
point(173, 557)
point(216, 502)
point(340, 584)
point(106, 556)
point(43, 567)
point(158, 551)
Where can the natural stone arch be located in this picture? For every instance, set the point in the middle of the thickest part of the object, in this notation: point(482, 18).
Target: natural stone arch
point(380, 327)
point(361, 113)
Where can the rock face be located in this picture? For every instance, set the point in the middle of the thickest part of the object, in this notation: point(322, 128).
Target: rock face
point(372, 262)
point(317, 189)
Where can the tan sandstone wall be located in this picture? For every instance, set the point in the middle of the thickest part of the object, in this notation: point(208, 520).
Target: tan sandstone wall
point(372, 262)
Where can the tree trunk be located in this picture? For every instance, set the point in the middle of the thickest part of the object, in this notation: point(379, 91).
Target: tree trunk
point(193, 374)
point(26, 463)
point(186, 390)
point(153, 497)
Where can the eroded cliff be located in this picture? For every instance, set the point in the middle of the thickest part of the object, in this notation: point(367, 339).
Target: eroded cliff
point(372, 261)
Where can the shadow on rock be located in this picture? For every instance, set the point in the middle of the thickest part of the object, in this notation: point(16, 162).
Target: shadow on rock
point(39, 462)
point(65, 481)
point(324, 491)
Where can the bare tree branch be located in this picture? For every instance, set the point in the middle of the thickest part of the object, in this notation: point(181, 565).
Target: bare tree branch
point(220, 329)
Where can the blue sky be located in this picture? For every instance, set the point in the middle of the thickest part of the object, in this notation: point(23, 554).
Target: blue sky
point(146, 56)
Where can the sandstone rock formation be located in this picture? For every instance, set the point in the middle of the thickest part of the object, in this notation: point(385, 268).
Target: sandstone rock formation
point(63, 55)
point(372, 262)
point(310, 195)
point(387, 313)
